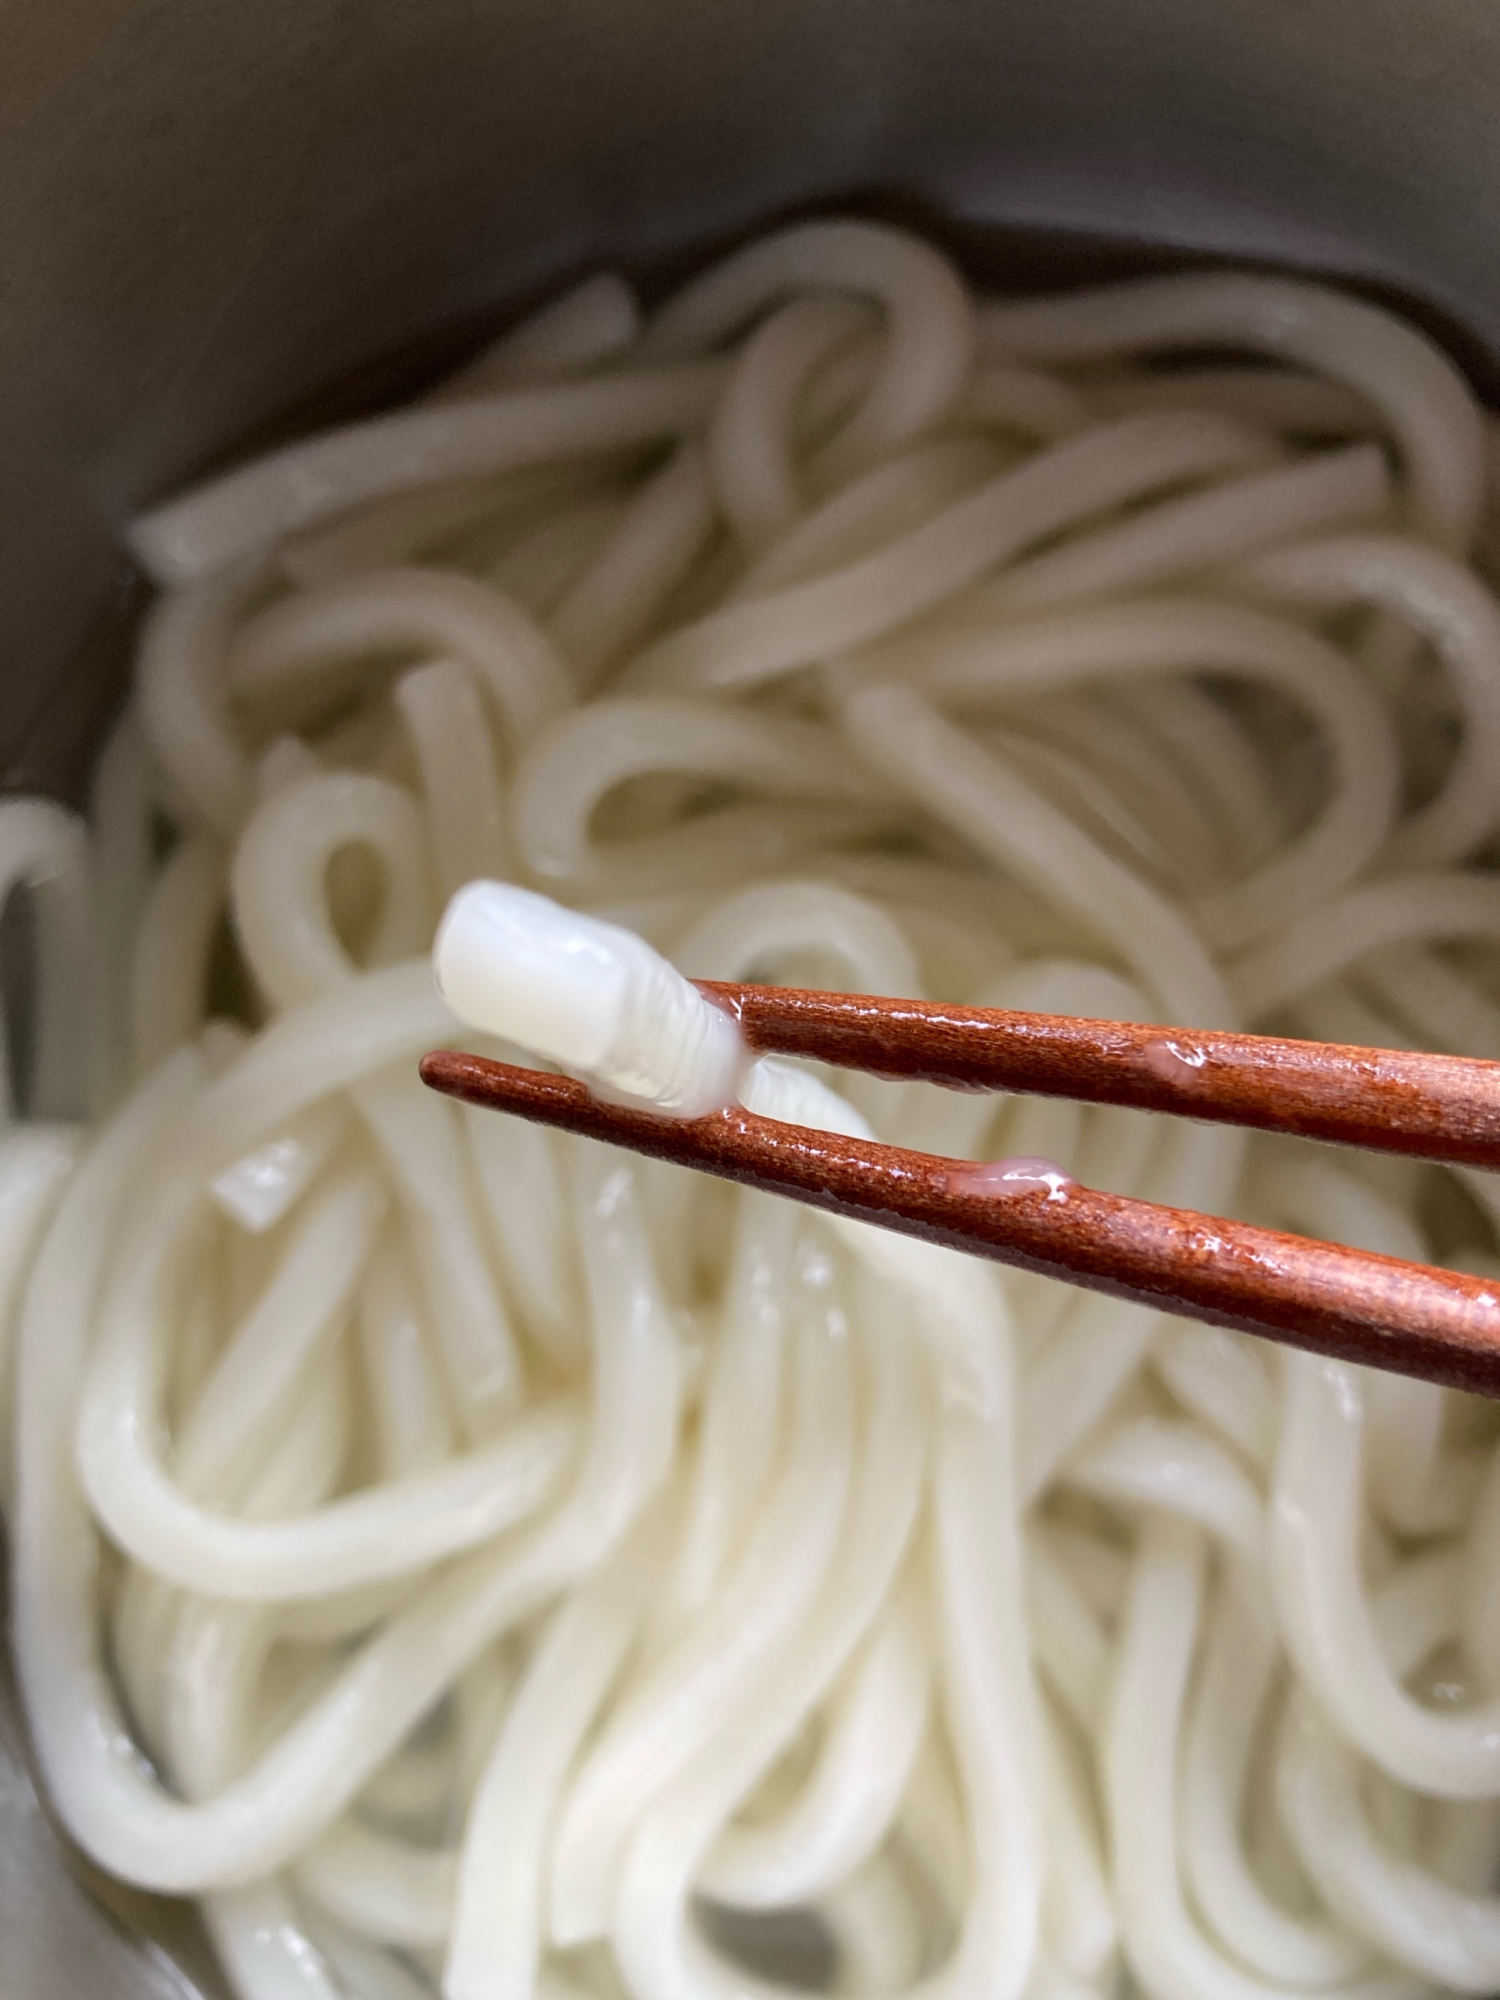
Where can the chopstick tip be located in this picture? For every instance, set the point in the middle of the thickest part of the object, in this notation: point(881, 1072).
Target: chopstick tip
point(440, 1069)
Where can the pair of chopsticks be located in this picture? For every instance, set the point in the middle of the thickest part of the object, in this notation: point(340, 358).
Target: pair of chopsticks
point(1439, 1325)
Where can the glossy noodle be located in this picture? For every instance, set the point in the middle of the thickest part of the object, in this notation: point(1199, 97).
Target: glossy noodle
point(470, 1561)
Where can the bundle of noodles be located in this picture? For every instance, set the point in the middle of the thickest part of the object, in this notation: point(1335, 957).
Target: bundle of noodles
point(473, 1562)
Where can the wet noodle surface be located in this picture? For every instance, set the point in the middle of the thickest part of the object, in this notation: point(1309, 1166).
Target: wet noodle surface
point(466, 1559)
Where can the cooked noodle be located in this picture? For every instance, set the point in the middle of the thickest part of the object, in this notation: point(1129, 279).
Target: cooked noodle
point(469, 1560)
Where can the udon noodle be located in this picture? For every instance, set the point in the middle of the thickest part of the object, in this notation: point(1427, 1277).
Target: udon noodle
point(471, 1561)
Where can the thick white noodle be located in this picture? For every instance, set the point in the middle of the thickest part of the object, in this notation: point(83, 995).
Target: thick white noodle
point(595, 321)
point(1025, 400)
point(499, 1916)
point(305, 1779)
point(1281, 398)
point(585, 755)
point(413, 1428)
point(1152, 635)
point(904, 736)
point(182, 693)
point(1104, 468)
point(750, 447)
point(848, 1804)
point(309, 636)
point(740, 1411)
point(1406, 907)
point(898, 496)
point(538, 567)
point(722, 1654)
point(1239, 1661)
point(403, 529)
point(473, 1562)
point(1460, 618)
point(283, 919)
point(1433, 417)
point(237, 515)
point(1336, 489)
point(450, 736)
point(929, 342)
point(660, 537)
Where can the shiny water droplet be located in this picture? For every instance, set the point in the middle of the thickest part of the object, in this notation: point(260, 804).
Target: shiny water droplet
point(1025, 1174)
point(1174, 1062)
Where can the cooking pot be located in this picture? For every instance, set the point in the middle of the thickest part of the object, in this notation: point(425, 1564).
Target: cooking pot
point(218, 221)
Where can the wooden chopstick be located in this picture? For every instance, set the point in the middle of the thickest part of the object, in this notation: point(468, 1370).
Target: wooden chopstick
point(1430, 1107)
point(1438, 1325)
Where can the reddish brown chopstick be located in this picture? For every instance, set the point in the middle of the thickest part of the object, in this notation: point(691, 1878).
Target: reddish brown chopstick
point(1438, 1325)
point(1431, 1107)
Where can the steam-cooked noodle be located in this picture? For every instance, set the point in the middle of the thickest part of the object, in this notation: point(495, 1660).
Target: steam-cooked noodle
point(473, 1561)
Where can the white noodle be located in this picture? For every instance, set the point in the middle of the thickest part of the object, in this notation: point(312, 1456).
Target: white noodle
point(848, 1804)
point(1456, 612)
point(1422, 396)
point(1177, 632)
point(749, 441)
point(1068, 483)
point(929, 343)
point(299, 638)
point(237, 515)
point(538, 567)
point(1332, 490)
point(660, 537)
point(595, 321)
point(584, 756)
point(537, 1570)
